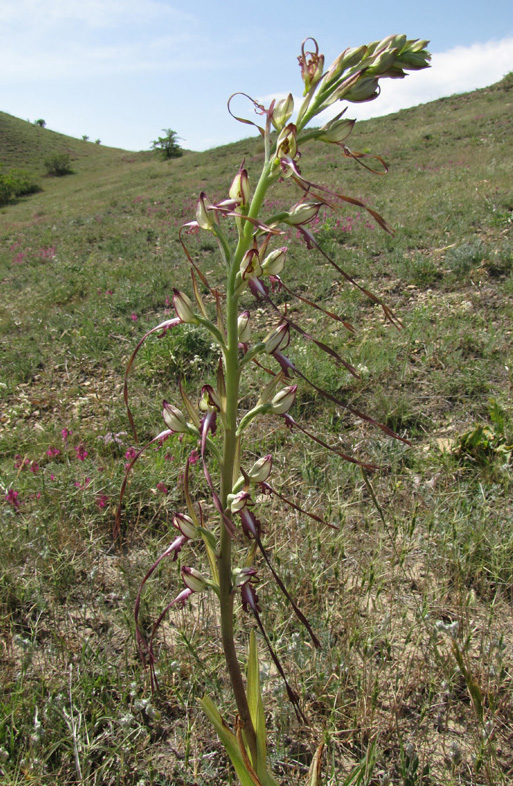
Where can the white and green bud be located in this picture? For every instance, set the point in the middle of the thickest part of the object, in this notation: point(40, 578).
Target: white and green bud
point(283, 400)
point(194, 580)
point(261, 469)
point(185, 525)
point(336, 131)
point(239, 189)
point(282, 112)
point(302, 213)
point(184, 308)
point(237, 502)
point(347, 59)
point(274, 262)
point(174, 419)
point(203, 215)
point(364, 90)
point(244, 327)
point(278, 339)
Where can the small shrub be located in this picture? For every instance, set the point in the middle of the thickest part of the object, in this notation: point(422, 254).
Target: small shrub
point(16, 183)
point(58, 164)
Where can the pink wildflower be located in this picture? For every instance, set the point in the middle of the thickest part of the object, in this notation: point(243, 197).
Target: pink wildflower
point(52, 452)
point(134, 317)
point(81, 452)
point(65, 433)
point(34, 467)
point(194, 457)
point(12, 498)
point(162, 488)
point(101, 501)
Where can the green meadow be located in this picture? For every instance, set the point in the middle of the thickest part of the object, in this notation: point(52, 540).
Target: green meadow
point(411, 596)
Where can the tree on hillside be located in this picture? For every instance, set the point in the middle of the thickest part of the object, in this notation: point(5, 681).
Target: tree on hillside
point(168, 145)
point(41, 123)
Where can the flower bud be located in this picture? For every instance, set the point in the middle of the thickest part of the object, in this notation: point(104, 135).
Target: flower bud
point(381, 61)
point(302, 213)
point(250, 266)
point(193, 579)
point(274, 262)
point(347, 59)
point(203, 214)
point(174, 419)
point(282, 112)
point(261, 469)
point(337, 131)
point(244, 327)
point(185, 524)
point(278, 339)
point(364, 90)
point(286, 144)
point(238, 501)
point(239, 189)
point(183, 307)
point(283, 400)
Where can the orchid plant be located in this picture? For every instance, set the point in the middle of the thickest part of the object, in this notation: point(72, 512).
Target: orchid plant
point(255, 262)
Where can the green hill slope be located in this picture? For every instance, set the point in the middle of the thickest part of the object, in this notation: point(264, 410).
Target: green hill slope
point(25, 145)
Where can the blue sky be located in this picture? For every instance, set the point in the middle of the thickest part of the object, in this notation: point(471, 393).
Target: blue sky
point(122, 70)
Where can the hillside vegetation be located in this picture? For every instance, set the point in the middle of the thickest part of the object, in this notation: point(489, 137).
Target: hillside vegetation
point(410, 596)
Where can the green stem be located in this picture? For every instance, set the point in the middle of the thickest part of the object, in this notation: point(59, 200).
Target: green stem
point(229, 469)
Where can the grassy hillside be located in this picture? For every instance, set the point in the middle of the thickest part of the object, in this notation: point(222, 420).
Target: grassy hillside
point(25, 145)
point(411, 599)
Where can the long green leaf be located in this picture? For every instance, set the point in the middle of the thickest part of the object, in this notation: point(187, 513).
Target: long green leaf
point(256, 707)
point(229, 741)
